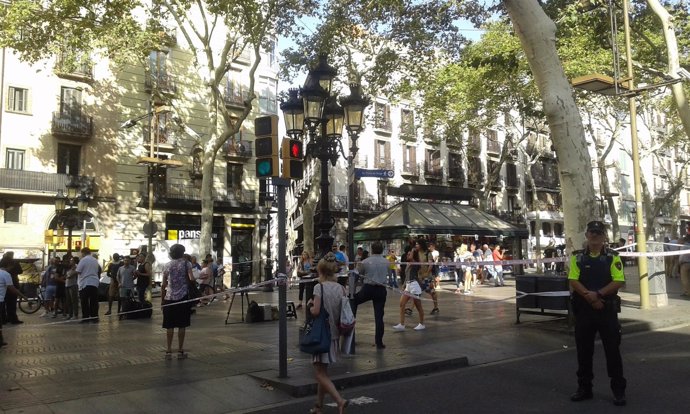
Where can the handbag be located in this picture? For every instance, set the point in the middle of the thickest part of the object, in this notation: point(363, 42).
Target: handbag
point(347, 317)
point(317, 333)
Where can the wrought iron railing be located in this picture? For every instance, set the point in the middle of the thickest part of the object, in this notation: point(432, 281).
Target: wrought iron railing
point(162, 82)
point(74, 124)
point(42, 182)
point(181, 191)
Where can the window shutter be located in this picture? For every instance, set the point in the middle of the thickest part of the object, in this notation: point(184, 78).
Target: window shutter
point(413, 157)
point(377, 152)
point(387, 151)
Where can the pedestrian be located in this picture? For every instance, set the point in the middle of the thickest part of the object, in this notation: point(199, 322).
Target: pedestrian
point(461, 254)
point(195, 263)
point(412, 292)
point(125, 279)
point(174, 293)
point(341, 257)
point(14, 268)
point(87, 281)
point(49, 287)
point(498, 268)
point(205, 279)
point(435, 258)
point(443, 268)
point(6, 285)
point(303, 273)
point(596, 274)
point(425, 275)
point(404, 259)
point(59, 303)
point(143, 275)
point(392, 269)
point(374, 269)
point(330, 292)
point(684, 263)
point(114, 288)
point(72, 290)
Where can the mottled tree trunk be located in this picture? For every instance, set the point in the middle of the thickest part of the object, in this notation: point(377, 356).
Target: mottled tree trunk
point(537, 35)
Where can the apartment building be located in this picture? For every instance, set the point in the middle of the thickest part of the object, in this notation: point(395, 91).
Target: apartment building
point(90, 124)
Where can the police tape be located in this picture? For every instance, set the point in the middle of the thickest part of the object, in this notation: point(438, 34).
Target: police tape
point(188, 302)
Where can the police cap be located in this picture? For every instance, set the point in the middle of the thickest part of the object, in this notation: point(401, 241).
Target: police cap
point(596, 226)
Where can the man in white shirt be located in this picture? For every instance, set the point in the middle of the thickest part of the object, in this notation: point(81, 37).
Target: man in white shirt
point(6, 285)
point(87, 281)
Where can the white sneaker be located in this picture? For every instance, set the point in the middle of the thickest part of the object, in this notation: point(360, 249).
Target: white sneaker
point(399, 327)
point(419, 327)
point(44, 314)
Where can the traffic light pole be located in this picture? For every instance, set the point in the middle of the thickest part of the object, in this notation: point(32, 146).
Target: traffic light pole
point(281, 187)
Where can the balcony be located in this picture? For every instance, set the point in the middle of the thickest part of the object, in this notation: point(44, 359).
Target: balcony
point(685, 211)
point(235, 95)
point(180, 195)
point(69, 67)
point(238, 151)
point(163, 83)
point(432, 170)
point(514, 217)
point(41, 183)
point(475, 179)
point(383, 125)
point(384, 164)
point(73, 125)
point(543, 206)
point(164, 140)
point(365, 203)
point(408, 132)
point(410, 169)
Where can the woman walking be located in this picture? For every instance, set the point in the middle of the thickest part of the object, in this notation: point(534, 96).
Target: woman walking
point(330, 292)
point(303, 272)
point(412, 291)
point(176, 311)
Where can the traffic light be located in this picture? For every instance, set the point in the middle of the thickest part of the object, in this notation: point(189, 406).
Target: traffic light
point(266, 145)
point(292, 155)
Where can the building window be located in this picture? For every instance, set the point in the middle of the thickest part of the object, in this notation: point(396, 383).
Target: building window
point(382, 113)
point(70, 103)
point(158, 65)
point(14, 159)
point(409, 159)
point(382, 155)
point(407, 122)
point(267, 96)
point(12, 213)
point(68, 159)
point(493, 206)
point(382, 192)
point(234, 178)
point(18, 99)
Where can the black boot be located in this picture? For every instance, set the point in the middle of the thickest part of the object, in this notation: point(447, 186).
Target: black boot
point(582, 394)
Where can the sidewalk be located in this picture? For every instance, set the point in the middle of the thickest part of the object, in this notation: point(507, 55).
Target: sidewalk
point(118, 366)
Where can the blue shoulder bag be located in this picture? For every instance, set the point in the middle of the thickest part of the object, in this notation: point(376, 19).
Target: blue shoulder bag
point(317, 332)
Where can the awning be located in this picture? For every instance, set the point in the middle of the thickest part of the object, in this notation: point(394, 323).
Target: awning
point(410, 217)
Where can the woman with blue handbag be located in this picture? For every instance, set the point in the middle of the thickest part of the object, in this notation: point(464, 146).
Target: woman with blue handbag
point(327, 298)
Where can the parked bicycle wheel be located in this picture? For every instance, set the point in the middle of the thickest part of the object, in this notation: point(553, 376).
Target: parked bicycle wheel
point(30, 305)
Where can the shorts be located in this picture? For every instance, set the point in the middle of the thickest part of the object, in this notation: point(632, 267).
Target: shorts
point(49, 293)
point(413, 288)
point(427, 285)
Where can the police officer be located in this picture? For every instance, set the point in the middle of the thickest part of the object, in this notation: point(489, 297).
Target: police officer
point(596, 274)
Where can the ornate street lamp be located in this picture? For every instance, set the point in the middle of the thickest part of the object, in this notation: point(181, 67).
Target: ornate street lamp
point(68, 217)
point(293, 111)
point(353, 106)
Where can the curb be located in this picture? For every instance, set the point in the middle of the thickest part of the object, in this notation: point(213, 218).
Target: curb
point(304, 385)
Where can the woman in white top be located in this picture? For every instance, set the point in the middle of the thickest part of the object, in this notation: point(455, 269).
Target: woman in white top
point(330, 292)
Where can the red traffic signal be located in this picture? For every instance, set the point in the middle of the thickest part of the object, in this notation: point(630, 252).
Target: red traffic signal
point(292, 154)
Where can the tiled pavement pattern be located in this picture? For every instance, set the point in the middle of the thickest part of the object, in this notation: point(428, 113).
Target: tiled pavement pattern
point(58, 367)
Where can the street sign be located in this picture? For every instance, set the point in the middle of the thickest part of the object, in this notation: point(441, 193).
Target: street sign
point(150, 229)
point(363, 173)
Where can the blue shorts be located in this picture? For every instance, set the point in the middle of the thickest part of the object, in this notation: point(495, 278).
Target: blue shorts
point(49, 293)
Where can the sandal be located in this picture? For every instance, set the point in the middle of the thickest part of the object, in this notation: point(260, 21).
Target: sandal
point(316, 409)
point(345, 404)
point(181, 355)
point(168, 355)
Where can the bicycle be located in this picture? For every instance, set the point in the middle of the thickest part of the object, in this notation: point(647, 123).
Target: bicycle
point(31, 305)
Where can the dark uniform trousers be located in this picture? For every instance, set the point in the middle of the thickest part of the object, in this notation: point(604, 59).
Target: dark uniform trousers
point(376, 294)
point(595, 273)
point(587, 323)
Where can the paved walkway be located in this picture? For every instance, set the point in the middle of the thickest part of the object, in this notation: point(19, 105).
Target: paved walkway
point(118, 366)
